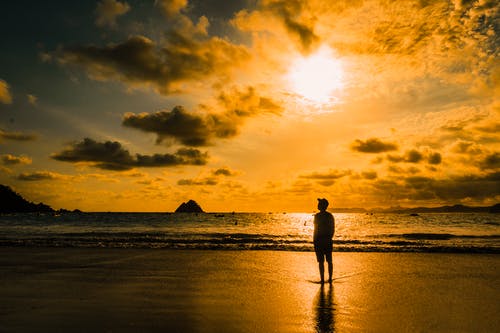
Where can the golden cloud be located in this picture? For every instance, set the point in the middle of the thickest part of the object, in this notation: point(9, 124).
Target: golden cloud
point(200, 129)
point(107, 11)
point(5, 96)
point(188, 54)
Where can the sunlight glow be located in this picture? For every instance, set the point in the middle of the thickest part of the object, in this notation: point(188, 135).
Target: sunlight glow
point(316, 77)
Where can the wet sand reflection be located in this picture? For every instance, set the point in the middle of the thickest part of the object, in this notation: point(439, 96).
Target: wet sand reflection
point(324, 310)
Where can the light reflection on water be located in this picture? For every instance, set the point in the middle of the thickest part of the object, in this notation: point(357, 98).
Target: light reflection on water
point(292, 231)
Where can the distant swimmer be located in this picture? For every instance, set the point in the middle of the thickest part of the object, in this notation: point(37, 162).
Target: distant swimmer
point(324, 229)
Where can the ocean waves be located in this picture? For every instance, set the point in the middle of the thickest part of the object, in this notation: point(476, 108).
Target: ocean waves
point(445, 243)
point(452, 233)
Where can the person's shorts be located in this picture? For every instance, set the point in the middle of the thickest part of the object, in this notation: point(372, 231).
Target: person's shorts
point(323, 251)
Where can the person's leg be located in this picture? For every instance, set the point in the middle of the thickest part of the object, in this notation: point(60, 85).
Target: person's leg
point(330, 271)
point(328, 256)
point(320, 257)
point(322, 271)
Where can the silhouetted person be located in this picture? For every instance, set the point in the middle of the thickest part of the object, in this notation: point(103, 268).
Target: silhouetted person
point(324, 228)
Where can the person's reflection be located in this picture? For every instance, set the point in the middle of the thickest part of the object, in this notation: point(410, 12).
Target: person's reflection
point(324, 308)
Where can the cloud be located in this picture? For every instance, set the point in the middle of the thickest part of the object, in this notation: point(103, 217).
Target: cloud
point(187, 54)
point(112, 156)
point(472, 187)
point(411, 156)
point(332, 174)
point(455, 188)
point(197, 182)
point(200, 129)
point(434, 158)
point(490, 128)
point(373, 145)
point(491, 161)
point(16, 136)
point(171, 7)
point(5, 96)
point(398, 170)
point(32, 99)
point(107, 11)
point(370, 175)
point(326, 178)
point(467, 147)
point(40, 175)
point(414, 156)
point(295, 18)
point(247, 102)
point(9, 159)
point(223, 172)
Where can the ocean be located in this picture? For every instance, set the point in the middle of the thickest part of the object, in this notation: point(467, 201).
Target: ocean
point(355, 232)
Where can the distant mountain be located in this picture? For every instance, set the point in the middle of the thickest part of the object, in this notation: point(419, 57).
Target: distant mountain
point(347, 210)
point(441, 209)
point(189, 207)
point(449, 209)
point(11, 202)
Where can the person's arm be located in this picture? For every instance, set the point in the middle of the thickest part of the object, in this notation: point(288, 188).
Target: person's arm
point(315, 232)
point(333, 232)
point(333, 226)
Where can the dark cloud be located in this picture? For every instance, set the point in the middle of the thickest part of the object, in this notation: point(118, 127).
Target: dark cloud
point(491, 161)
point(411, 156)
point(293, 14)
point(188, 128)
point(112, 156)
point(197, 182)
point(188, 54)
point(223, 172)
point(455, 188)
point(39, 175)
point(326, 178)
point(332, 174)
point(434, 158)
point(491, 128)
point(16, 136)
point(414, 156)
point(467, 147)
point(200, 129)
point(450, 190)
point(398, 170)
point(369, 175)
point(373, 145)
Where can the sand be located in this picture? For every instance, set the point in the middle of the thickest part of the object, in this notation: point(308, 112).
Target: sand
point(125, 290)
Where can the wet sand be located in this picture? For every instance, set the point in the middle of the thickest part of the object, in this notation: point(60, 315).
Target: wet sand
point(124, 290)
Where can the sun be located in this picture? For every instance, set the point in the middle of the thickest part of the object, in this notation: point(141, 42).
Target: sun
point(317, 77)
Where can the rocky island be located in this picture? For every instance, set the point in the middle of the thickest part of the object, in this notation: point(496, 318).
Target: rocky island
point(189, 207)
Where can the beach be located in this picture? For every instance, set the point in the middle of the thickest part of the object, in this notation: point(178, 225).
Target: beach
point(132, 290)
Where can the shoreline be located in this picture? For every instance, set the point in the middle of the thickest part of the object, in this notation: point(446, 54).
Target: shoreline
point(129, 290)
point(417, 249)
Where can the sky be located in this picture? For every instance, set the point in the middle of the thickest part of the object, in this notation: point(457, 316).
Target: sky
point(250, 105)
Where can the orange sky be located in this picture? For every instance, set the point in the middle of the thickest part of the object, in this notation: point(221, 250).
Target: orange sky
point(253, 106)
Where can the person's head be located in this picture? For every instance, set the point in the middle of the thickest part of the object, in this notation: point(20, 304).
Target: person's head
point(322, 204)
